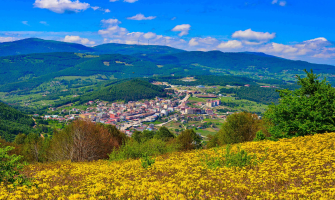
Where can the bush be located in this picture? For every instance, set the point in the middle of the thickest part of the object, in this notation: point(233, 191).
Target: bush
point(240, 158)
point(84, 141)
point(239, 127)
point(134, 149)
point(10, 167)
point(147, 161)
point(189, 140)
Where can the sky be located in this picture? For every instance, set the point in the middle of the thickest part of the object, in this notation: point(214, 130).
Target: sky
point(292, 29)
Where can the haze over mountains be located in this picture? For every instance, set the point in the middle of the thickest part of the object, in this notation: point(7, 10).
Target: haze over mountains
point(25, 64)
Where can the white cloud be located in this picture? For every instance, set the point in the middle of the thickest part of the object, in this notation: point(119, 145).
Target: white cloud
point(282, 3)
point(95, 7)
point(113, 0)
point(203, 43)
point(253, 35)
point(149, 35)
point(44, 23)
point(107, 11)
point(60, 6)
point(193, 42)
point(7, 39)
point(141, 17)
point(78, 39)
point(231, 44)
point(25, 23)
point(110, 22)
point(183, 28)
point(173, 18)
point(130, 1)
point(274, 1)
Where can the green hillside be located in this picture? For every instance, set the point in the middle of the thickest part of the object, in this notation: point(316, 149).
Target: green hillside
point(13, 122)
point(132, 90)
point(35, 45)
point(246, 61)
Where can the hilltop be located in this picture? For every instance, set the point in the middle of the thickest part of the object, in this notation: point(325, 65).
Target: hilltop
point(131, 90)
point(298, 168)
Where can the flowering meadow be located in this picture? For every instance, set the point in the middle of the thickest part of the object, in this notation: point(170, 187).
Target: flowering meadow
point(298, 168)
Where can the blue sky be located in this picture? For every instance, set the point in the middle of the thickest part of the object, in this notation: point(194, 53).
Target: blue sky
point(293, 29)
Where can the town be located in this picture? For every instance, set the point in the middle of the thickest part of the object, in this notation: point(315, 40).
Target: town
point(147, 114)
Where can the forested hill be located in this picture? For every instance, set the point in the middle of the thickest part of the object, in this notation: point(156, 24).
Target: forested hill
point(133, 90)
point(246, 61)
point(13, 122)
point(35, 45)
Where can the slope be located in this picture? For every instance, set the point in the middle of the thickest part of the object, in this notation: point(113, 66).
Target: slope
point(238, 61)
point(13, 122)
point(132, 90)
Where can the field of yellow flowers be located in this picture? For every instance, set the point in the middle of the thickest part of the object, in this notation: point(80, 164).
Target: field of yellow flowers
point(298, 168)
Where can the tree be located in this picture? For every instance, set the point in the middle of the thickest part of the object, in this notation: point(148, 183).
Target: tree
point(189, 139)
point(83, 140)
point(307, 110)
point(164, 134)
point(239, 127)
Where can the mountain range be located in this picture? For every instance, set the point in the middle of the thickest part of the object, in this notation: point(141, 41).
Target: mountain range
point(26, 64)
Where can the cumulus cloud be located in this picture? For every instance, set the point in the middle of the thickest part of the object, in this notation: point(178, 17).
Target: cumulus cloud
point(25, 23)
point(113, 0)
point(231, 44)
point(61, 6)
point(183, 28)
point(110, 22)
point(253, 35)
point(204, 43)
point(141, 17)
point(7, 39)
point(78, 39)
point(149, 35)
point(274, 1)
point(107, 11)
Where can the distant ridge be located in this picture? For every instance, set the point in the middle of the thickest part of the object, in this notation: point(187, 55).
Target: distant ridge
point(36, 45)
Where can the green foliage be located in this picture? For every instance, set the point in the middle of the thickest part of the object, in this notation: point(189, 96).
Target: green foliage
point(164, 134)
point(134, 149)
point(13, 122)
point(132, 90)
point(260, 136)
point(146, 161)
point(10, 167)
point(239, 127)
point(307, 110)
point(189, 139)
point(240, 158)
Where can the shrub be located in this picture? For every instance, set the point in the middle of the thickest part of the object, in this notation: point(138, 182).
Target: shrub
point(83, 141)
point(134, 149)
point(240, 158)
point(260, 136)
point(10, 167)
point(188, 140)
point(239, 127)
point(146, 161)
